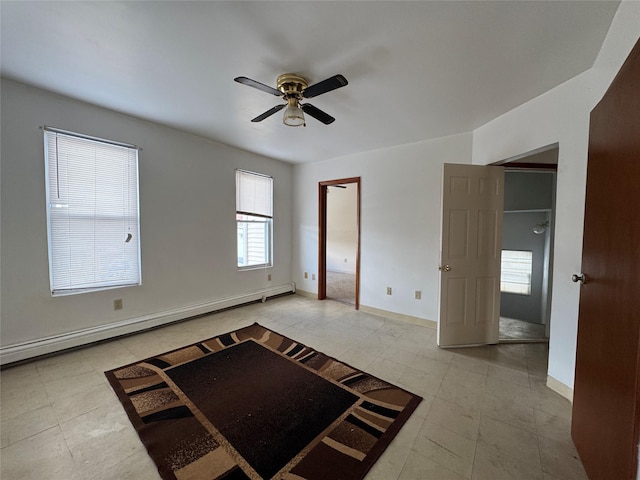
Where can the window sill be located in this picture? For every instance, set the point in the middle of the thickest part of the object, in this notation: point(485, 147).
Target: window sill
point(264, 266)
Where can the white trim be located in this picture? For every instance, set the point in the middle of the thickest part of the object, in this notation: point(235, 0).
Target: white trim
point(68, 133)
point(382, 313)
point(337, 270)
point(560, 388)
point(43, 346)
point(304, 293)
point(400, 316)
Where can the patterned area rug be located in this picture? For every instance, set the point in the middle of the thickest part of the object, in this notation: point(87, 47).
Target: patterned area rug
point(253, 404)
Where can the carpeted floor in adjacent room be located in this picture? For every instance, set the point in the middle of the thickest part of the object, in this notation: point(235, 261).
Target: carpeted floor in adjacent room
point(341, 287)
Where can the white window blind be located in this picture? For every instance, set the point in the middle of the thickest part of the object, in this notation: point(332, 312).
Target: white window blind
point(254, 218)
point(92, 214)
point(515, 275)
point(254, 194)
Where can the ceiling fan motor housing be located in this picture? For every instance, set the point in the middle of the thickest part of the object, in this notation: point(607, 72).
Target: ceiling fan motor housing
point(292, 85)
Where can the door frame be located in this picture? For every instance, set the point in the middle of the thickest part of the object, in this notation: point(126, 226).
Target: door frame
point(323, 188)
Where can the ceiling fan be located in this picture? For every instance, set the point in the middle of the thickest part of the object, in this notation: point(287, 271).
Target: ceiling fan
point(294, 88)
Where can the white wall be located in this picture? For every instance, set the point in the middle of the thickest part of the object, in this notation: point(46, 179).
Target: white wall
point(187, 204)
point(400, 221)
point(562, 115)
point(342, 228)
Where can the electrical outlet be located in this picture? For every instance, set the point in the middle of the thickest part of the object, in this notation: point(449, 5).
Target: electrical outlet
point(306, 275)
point(269, 277)
point(418, 294)
point(313, 276)
point(117, 304)
point(345, 260)
point(388, 290)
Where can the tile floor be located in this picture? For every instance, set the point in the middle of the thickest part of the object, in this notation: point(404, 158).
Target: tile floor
point(486, 413)
point(512, 329)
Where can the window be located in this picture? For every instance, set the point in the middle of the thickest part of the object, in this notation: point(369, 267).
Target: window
point(515, 276)
point(254, 218)
point(92, 213)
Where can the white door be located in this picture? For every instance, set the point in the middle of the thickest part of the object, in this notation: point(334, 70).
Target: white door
point(471, 246)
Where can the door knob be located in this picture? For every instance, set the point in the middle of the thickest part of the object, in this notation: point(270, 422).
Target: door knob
point(578, 277)
point(446, 268)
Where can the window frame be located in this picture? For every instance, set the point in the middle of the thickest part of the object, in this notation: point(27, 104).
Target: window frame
point(247, 216)
point(101, 250)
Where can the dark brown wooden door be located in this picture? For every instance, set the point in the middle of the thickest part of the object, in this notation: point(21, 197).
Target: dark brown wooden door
point(606, 411)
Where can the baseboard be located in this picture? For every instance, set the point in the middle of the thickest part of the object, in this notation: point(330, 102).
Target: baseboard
point(399, 316)
point(304, 293)
point(560, 388)
point(381, 313)
point(47, 345)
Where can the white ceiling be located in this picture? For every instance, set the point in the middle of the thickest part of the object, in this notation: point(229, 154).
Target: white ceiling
point(416, 70)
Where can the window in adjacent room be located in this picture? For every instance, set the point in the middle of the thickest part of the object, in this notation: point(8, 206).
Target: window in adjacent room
point(515, 276)
point(254, 219)
point(92, 213)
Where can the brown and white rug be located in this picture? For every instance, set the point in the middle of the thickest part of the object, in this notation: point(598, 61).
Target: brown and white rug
point(254, 404)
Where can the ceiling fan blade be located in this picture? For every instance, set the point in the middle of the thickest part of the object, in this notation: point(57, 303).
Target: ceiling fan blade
point(258, 85)
point(325, 86)
point(269, 112)
point(317, 113)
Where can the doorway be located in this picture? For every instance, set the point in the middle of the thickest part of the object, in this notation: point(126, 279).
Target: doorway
point(527, 246)
point(339, 242)
point(473, 209)
point(342, 238)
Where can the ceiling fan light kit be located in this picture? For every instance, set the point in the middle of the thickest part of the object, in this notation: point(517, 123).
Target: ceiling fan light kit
point(294, 88)
point(293, 116)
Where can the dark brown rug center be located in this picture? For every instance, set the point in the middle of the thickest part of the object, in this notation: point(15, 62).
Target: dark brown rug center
point(254, 404)
point(266, 406)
